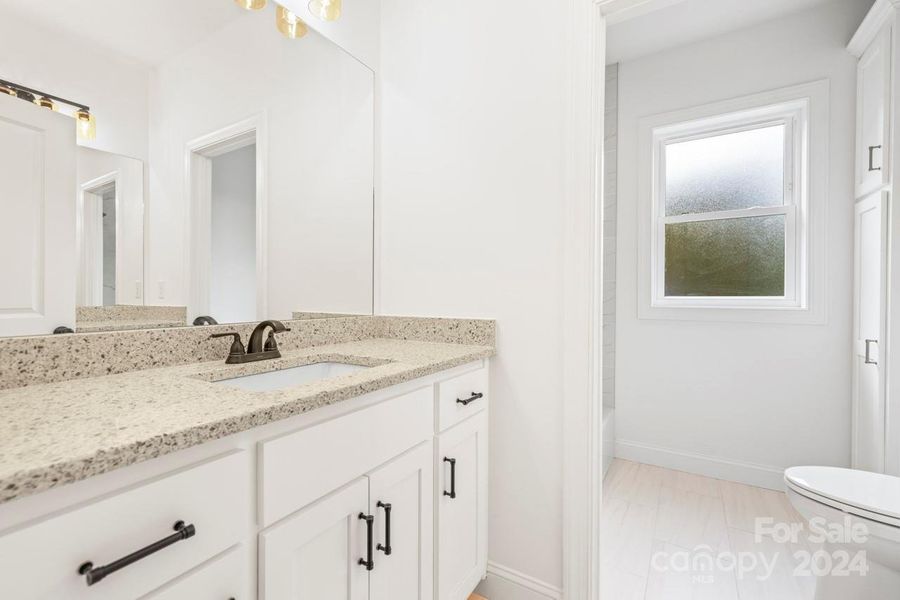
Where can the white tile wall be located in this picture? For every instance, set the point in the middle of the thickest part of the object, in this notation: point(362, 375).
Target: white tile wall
point(609, 233)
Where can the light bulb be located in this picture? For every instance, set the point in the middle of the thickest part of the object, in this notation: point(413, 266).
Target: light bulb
point(289, 24)
point(86, 124)
point(251, 4)
point(327, 10)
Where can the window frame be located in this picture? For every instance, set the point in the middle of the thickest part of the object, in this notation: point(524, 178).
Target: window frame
point(793, 116)
point(803, 110)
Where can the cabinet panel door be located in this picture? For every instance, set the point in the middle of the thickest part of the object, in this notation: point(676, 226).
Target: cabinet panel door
point(405, 489)
point(873, 87)
point(868, 332)
point(37, 219)
point(462, 520)
point(315, 553)
point(221, 578)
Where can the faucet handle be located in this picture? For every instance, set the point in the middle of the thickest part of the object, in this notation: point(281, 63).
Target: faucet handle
point(237, 347)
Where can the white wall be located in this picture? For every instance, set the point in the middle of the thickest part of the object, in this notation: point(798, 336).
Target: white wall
point(610, 148)
point(232, 279)
point(318, 103)
point(766, 395)
point(115, 88)
point(473, 114)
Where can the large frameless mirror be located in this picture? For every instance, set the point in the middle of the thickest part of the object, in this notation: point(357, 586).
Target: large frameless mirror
point(183, 163)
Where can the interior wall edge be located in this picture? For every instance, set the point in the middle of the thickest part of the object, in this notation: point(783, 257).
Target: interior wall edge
point(504, 583)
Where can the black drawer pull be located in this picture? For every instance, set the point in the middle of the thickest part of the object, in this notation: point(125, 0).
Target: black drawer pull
point(368, 562)
point(470, 399)
point(386, 547)
point(94, 574)
point(452, 492)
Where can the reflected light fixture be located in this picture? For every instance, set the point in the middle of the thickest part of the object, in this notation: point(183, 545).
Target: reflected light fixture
point(251, 4)
point(5, 89)
point(45, 102)
point(327, 10)
point(289, 24)
point(86, 124)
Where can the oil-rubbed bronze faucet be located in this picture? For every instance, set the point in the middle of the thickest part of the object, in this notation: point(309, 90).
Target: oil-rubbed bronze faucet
point(256, 349)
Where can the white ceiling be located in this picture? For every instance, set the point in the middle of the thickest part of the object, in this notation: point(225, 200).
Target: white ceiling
point(149, 31)
point(680, 22)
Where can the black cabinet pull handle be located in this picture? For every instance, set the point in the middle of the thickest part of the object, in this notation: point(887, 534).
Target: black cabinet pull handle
point(470, 399)
point(452, 492)
point(386, 548)
point(94, 574)
point(872, 166)
point(368, 562)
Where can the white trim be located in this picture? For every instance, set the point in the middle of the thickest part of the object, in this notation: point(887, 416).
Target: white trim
point(582, 301)
point(617, 11)
point(197, 154)
point(524, 581)
point(730, 470)
point(880, 13)
point(806, 209)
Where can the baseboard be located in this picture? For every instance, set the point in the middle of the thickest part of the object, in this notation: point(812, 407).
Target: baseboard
point(730, 470)
point(503, 583)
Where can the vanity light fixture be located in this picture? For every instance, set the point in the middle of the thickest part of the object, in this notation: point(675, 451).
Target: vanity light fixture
point(327, 10)
point(86, 124)
point(290, 25)
point(251, 4)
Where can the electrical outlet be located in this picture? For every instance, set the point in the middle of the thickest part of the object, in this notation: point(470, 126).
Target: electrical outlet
point(137, 290)
point(161, 286)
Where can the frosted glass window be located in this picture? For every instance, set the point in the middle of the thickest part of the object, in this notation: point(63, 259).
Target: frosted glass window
point(730, 171)
point(726, 257)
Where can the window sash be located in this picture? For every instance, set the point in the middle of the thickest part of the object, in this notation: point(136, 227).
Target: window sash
point(790, 118)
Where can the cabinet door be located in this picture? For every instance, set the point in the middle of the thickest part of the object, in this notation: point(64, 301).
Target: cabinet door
point(404, 489)
point(868, 331)
point(461, 461)
point(315, 554)
point(222, 578)
point(37, 219)
point(873, 89)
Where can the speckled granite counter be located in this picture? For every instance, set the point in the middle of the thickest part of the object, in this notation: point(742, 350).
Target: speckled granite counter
point(57, 433)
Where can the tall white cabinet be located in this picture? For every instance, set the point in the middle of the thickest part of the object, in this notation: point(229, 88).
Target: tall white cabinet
point(876, 377)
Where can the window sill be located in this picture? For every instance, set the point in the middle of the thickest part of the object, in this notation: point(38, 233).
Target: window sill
point(734, 314)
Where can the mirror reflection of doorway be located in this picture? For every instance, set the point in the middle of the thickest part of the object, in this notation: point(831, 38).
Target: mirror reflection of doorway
point(97, 242)
point(232, 278)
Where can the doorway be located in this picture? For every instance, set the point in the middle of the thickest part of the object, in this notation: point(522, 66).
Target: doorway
point(226, 179)
point(96, 241)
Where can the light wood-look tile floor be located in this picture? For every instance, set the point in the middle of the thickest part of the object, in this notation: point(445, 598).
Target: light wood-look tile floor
point(659, 524)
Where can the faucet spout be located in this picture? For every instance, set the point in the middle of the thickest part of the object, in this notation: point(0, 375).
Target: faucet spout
point(256, 343)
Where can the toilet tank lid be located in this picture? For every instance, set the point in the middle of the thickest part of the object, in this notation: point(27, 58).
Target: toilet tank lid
point(873, 492)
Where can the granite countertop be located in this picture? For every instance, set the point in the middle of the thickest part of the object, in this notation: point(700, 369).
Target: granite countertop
point(119, 325)
point(58, 433)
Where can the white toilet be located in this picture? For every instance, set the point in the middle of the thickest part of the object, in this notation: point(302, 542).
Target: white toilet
point(842, 496)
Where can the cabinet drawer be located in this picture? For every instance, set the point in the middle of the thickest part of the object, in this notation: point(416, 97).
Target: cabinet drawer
point(301, 467)
point(221, 578)
point(45, 557)
point(458, 398)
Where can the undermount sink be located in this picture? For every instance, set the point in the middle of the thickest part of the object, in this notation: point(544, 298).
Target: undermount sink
point(290, 377)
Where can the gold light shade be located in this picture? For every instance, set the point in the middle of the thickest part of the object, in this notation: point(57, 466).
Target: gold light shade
point(5, 89)
point(45, 102)
point(86, 125)
point(251, 4)
point(289, 24)
point(327, 10)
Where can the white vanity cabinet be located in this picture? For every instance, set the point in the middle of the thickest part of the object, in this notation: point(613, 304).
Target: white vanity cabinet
point(379, 497)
